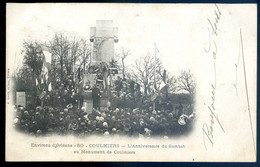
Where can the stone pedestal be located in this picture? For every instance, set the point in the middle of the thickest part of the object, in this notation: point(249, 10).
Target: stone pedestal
point(88, 101)
point(88, 104)
point(103, 101)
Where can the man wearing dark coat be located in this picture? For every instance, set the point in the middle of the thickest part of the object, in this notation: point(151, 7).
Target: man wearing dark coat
point(96, 97)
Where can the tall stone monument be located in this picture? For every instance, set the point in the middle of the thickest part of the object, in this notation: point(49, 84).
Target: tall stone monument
point(103, 36)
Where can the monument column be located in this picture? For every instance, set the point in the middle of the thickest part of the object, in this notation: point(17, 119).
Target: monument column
point(103, 36)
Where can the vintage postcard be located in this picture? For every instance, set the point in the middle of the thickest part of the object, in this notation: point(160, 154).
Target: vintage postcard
point(131, 82)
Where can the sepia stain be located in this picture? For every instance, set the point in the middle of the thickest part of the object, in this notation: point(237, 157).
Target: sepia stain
point(156, 8)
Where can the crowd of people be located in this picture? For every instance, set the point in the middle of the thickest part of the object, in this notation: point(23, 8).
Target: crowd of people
point(129, 113)
point(126, 94)
point(130, 122)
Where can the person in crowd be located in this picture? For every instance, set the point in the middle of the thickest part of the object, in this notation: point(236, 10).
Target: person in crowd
point(96, 97)
point(87, 85)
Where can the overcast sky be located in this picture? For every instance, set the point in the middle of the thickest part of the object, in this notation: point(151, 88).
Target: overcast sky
point(178, 30)
point(140, 26)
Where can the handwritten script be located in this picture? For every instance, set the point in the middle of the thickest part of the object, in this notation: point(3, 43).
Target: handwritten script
point(211, 50)
point(241, 49)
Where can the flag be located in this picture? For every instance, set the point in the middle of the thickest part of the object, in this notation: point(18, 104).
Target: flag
point(164, 76)
point(46, 53)
point(162, 85)
point(49, 87)
point(46, 67)
point(79, 72)
point(156, 49)
point(154, 96)
point(77, 77)
point(37, 86)
point(37, 82)
point(80, 87)
point(74, 71)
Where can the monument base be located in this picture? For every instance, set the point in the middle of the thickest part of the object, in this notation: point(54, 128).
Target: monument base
point(88, 104)
point(88, 101)
point(103, 101)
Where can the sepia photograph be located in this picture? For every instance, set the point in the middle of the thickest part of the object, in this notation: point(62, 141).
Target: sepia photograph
point(131, 82)
point(81, 87)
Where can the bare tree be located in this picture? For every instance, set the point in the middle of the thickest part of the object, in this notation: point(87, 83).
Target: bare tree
point(83, 54)
point(171, 83)
point(33, 60)
point(123, 54)
point(73, 53)
point(60, 50)
point(25, 79)
point(146, 71)
point(186, 82)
